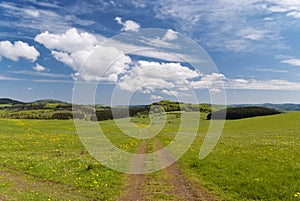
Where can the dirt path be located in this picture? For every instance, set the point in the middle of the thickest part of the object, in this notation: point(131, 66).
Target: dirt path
point(133, 189)
point(167, 184)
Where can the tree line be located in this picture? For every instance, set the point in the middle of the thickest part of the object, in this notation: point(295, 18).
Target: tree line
point(241, 112)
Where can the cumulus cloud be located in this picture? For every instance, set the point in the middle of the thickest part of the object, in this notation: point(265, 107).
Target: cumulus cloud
point(170, 35)
point(75, 48)
point(128, 25)
point(148, 76)
point(212, 81)
point(39, 68)
point(72, 48)
point(70, 41)
point(119, 20)
point(18, 49)
point(106, 64)
point(291, 62)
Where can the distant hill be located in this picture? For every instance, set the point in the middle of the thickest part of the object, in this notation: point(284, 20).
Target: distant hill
point(9, 101)
point(168, 105)
point(279, 107)
point(48, 101)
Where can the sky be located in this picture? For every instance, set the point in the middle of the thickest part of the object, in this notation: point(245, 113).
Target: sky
point(138, 52)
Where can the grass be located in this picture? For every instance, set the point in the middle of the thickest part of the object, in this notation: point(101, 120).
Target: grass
point(50, 151)
point(255, 159)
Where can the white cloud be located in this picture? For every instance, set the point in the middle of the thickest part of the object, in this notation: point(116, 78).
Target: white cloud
point(270, 70)
point(66, 59)
point(221, 22)
point(283, 57)
point(53, 81)
point(75, 48)
point(119, 20)
point(170, 35)
point(175, 93)
point(99, 65)
point(17, 50)
point(295, 14)
point(148, 76)
point(170, 93)
point(211, 81)
point(72, 47)
point(69, 41)
point(39, 67)
point(154, 47)
point(38, 18)
point(153, 97)
point(291, 62)
point(253, 84)
point(6, 78)
point(43, 74)
point(153, 53)
point(44, 4)
point(128, 25)
point(138, 4)
point(32, 13)
point(286, 6)
point(158, 42)
point(254, 36)
point(214, 91)
point(215, 82)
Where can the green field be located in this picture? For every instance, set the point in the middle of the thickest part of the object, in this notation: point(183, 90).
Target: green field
point(255, 159)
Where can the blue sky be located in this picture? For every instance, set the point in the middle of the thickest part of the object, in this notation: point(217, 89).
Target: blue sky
point(255, 45)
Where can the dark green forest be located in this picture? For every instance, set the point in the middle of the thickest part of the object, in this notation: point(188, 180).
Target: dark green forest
point(241, 112)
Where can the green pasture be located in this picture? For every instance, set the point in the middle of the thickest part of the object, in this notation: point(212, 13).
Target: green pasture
point(255, 159)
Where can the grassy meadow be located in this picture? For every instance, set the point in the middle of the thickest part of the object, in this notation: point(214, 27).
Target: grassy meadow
point(255, 159)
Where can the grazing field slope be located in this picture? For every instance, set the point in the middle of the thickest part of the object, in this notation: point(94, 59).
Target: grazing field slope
point(255, 159)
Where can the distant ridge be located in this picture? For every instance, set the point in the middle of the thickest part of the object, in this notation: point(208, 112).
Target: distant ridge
point(280, 107)
point(9, 101)
point(48, 101)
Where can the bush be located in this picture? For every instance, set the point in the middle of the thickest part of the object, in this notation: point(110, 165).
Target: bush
point(62, 115)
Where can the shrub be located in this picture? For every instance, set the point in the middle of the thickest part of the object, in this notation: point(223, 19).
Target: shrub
point(62, 115)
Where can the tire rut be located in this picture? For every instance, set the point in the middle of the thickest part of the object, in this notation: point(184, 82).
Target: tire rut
point(174, 182)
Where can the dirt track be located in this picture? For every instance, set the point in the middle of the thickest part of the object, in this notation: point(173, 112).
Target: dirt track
point(168, 184)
